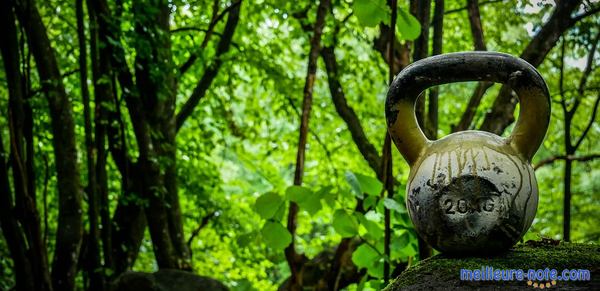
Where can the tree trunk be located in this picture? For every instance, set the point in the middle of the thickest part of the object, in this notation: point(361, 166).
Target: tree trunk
point(93, 251)
point(69, 231)
point(567, 200)
point(421, 10)
point(294, 260)
point(479, 45)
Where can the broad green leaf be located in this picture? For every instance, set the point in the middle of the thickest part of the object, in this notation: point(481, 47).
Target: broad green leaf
point(407, 25)
point(344, 223)
point(400, 240)
point(245, 239)
point(408, 251)
point(370, 201)
point(365, 256)
point(275, 235)
point(363, 184)
point(306, 199)
point(311, 205)
point(374, 231)
point(268, 204)
point(355, 185)
point(328, 195)
point(297, 193)
point(371, 12)
point(393, 205)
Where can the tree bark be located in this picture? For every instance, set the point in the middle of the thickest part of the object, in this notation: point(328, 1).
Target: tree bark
point(479, 45)
point(438, 38)
point(96, 280)
point(366, 148)
point(69, 231)
point(212, 71)
point(421, 10)
point(24, 267)
point(294, 260)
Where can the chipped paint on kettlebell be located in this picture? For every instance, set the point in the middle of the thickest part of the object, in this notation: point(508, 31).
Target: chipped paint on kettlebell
point(471, 190)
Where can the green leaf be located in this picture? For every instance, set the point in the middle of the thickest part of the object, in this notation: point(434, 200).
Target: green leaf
point(275, 235)
point(370, 201)
point(374, 231)
point(306, 199)
point(400, 240)
point(245, 239)
point(268, 204)
point(297, 194)
point(393, 205)
point(371, 12)
point(365, 256)
point(345, 224)
point(407, 25)
point(328, 195)
point(363, 184)
point(311, 205)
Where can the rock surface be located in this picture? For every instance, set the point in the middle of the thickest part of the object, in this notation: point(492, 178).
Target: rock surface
point(166, 280)
point(443, 272)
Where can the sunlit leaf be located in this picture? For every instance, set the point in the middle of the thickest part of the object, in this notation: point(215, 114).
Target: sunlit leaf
point(344, 223)
point(276, 235)
point(371, 12)
point(407, 25)
point(268, 204)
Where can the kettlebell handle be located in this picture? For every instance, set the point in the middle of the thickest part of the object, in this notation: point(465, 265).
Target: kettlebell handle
point(534, 114)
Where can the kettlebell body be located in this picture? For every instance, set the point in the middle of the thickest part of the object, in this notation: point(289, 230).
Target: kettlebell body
point(470, 191)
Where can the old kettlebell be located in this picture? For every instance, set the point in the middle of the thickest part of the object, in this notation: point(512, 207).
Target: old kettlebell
point(471, 191)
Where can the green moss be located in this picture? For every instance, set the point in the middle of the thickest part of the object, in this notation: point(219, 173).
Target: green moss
point(443, 271)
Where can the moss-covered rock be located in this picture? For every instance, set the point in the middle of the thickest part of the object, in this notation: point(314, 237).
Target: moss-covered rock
point(443, 272)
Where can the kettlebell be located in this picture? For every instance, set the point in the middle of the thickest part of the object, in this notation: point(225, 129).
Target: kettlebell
point(470, 191)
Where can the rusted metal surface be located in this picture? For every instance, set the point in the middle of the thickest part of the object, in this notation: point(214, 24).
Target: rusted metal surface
point(470, 191)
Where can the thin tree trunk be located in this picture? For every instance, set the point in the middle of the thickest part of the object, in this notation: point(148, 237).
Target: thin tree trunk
point(438, 35)
point(69, 232)
point(567, 200)
point(292, 257)
point(93, 255)
point(479, 45)
point(16, 241)
point(421, 10)
point(21, 158)
point(101, 92)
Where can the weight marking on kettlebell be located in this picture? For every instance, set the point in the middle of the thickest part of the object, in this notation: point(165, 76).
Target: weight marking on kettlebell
point(464, 206)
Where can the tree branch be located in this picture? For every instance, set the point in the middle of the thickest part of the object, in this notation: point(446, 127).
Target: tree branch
point(553, 159)
point(203, 223)
point(585, 14)
point(479, 45)
point(502, 113)
point(586, 73)
point(590, 123)
point(212, 71)
point(209, 32)
point(366, 148)
point(482, 3)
